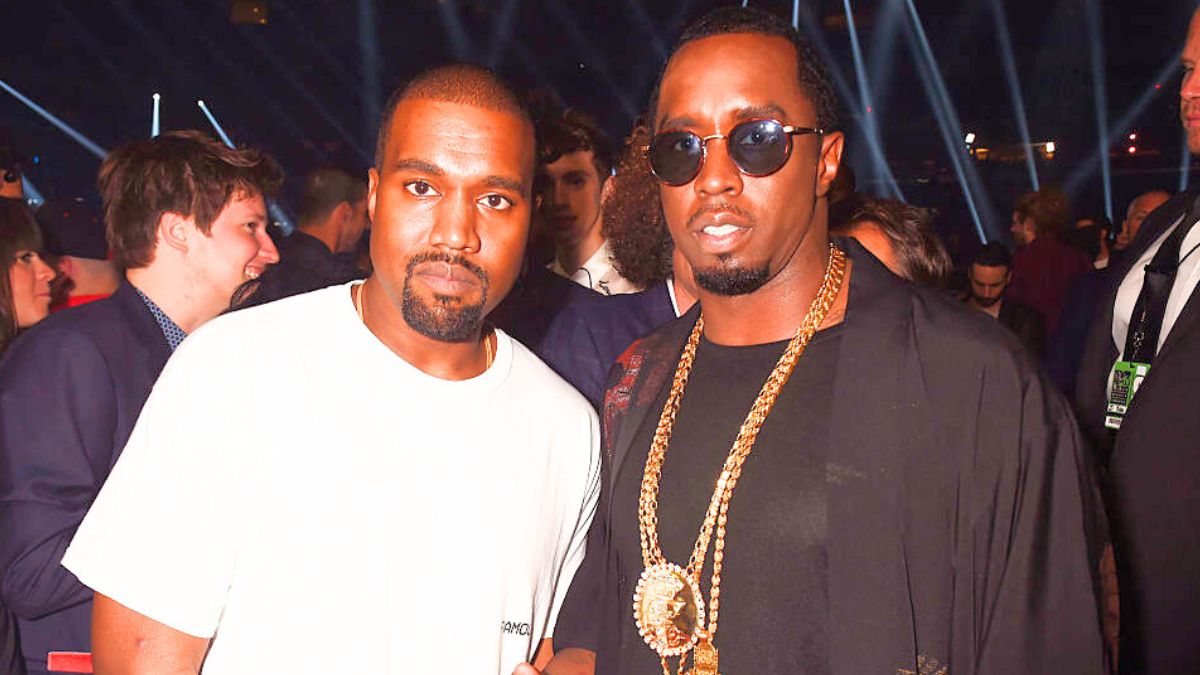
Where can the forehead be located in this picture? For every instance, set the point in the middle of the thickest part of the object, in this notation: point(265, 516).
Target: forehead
point(460, 139)
point(579, 160)
point(244, 203)
point(988, 274)
point(712, 78)
point(1191, 48)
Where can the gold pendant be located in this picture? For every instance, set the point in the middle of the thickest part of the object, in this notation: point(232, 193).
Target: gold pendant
point(704, 658)
point(668, 609)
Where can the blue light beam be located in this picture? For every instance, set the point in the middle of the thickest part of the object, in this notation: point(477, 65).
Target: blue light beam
point(947, 118)
point(32, 197)
point(368, 51)
point(870, 127)
point(154, 126)
point(1085, 170)
point(1014, 89)
point(455, 30)
point(285, 223)
point(1096, 50)
point(61, 125)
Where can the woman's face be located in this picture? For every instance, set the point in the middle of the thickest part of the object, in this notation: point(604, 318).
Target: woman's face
point(29, 278)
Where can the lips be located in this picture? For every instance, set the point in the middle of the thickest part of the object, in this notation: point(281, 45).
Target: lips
point(720, 230)
point(446, 278)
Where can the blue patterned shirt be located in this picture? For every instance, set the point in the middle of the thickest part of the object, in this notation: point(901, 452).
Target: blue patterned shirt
point(170, 330)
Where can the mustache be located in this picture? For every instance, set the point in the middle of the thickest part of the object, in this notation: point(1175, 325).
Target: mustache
point(443, 257)
point(723, 207)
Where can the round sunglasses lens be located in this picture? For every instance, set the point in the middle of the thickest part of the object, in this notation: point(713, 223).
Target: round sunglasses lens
point(675, 156)
point(759, 147)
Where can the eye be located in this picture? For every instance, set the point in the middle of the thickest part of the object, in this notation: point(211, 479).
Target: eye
point(496, 202)
point(26, 257)
point(420, 188)
point(686, 143)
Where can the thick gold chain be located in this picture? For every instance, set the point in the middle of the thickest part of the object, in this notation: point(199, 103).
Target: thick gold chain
point(716, 516)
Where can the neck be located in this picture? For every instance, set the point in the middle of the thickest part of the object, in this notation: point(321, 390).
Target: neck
point(572, 256)
point(775, 311)
point(93, 277)
point(325, 231)
point(182, 302)
point(685, 295)
point(444, 360)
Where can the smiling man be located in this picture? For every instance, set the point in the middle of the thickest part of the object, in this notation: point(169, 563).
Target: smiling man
point(849, 472)
point(186, 221)
point(419, 500)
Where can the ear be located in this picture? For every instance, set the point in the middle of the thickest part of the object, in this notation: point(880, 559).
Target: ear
point(832, 145)
point(174, 229)
point(372, 189)
point(65, 265)
point(342, 212)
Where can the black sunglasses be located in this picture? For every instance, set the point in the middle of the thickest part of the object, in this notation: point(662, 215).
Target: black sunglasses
point(758, 148)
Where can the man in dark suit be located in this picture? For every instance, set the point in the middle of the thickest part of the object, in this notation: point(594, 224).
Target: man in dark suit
point(186, 219)
point(1136, 399)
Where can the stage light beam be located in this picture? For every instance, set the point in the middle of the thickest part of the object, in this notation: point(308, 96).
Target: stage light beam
point(62, 126)
point(1096, 51)
point(1014, 89)
point(1185, 164)
point(870, 127)
point(154, 128)
point(947, 119)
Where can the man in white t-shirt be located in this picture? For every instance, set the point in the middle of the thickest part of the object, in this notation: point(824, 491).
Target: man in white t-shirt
point(416, 504)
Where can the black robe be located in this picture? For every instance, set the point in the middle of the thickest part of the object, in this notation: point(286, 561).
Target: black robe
point(965, 530)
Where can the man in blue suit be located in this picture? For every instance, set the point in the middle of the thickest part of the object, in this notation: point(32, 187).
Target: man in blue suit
point(186, 219)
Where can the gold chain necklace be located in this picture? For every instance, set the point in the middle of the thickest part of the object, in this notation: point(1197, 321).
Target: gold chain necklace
point(667, 604)
point(488, 353)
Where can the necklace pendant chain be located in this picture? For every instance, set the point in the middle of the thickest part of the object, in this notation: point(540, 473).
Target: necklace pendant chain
point(668, 604)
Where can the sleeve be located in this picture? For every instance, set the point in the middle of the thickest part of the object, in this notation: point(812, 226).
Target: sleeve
point(160, 537)
point(57, 416)
point(578, 544)
point(1039, 541)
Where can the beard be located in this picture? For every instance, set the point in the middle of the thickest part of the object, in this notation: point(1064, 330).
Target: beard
point(444, 318)
point(986, 302)
point(729, 280)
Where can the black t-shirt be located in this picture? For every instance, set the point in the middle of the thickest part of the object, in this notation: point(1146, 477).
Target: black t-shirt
point(774, 601)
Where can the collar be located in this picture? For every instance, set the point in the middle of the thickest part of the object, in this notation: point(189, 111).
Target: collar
point(593, 270)
point(170, 330)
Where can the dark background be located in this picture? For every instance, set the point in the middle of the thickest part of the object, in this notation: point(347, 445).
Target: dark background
point(308, 84)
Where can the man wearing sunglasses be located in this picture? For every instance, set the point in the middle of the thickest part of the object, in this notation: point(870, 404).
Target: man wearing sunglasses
point(914, 499)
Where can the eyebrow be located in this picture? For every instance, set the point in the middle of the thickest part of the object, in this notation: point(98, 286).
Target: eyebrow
point(425, 166)
point(504, 183)
point(767, 110)
point(421, 165)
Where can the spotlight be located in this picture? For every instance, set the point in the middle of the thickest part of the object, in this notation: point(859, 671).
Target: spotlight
point(970, 137)
point(1131, 149)
point(1051, 147)
point(1133, 136)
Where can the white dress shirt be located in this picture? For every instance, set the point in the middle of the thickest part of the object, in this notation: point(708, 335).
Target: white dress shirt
point(1185, 282)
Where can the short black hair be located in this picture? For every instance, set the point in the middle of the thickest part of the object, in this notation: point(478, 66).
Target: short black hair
point(325, 189)
point(463, 83)
point(813, 75)
point(993, 254)
point(573, 131)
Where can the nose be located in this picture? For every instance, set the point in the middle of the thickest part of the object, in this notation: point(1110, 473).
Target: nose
point(266, 248)
point(43, 271)
point(718, 174)
point(454, 225)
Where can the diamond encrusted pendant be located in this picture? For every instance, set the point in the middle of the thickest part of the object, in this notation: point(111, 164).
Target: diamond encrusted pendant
point(668, 609)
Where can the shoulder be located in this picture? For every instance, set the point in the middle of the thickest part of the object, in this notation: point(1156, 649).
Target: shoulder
point(292, 318)
point(85, 332)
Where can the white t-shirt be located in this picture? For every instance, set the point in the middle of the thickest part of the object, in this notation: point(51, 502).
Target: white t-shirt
point(315, 504)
